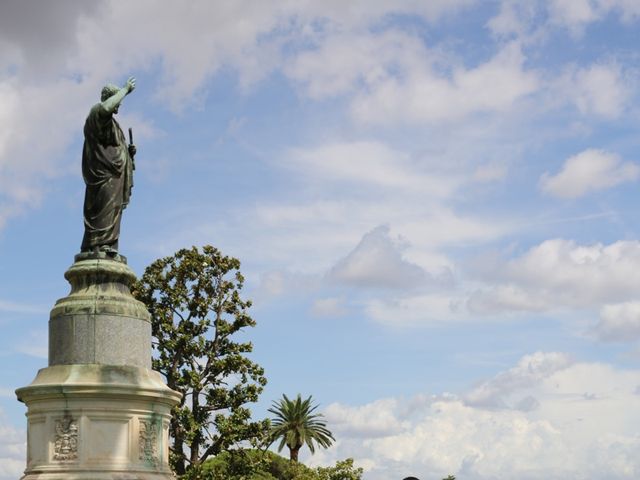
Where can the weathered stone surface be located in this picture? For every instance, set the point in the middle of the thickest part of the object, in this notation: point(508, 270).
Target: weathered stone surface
point(100, 286)
point(102, 339)
point(98, 412)
point(97, 422)
point(100, 321)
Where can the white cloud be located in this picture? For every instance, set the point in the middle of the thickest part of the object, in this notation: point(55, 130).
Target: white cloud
point(534, 20)
point(37, 122)
point(441, 226)
point(13, 457)
point(357, 11)
point(196, 42)
point(45, 93)
point(328, 307)
point(377, 262)
point(629, 9)
point(11, 468)
point(417, 309)
point(423, 95)
point(273, 283)
point(490, 172)
point(26, 28)
point(599, 89)
point(577, 14)
point(379, 418)
point(559, 274)
point(8, 306)
point(514, 19)
point(619, 322)
point(588, 171)
point(311, 233)
point(506, 298)
point(563, 437)
point(367, 162)
point(574, 14)
point(396, 78)
point(518, 18)
point(528, 373)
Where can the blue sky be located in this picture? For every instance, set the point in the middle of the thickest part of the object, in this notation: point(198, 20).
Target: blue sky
point(434, 203)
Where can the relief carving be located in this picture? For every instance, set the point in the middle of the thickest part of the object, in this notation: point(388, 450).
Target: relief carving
point(148, 441)
point(66, 439)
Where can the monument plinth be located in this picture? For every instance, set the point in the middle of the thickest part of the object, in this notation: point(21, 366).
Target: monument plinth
point(98, 411)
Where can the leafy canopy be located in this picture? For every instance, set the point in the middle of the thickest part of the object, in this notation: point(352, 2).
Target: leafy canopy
point(196, 308)
point(267, 465)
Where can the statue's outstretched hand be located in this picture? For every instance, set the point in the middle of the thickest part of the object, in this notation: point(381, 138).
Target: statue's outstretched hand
point(131, 84)
point(132, 150)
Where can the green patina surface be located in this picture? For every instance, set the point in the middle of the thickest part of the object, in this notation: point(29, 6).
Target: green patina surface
point(100, 286)
point(105, 380)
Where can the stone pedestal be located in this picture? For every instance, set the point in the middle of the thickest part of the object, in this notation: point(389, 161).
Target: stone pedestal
point(98, 411)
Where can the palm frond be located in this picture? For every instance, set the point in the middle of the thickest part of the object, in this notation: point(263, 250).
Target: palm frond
point(296, 425)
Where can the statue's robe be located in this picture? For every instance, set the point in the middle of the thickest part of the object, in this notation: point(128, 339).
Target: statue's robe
point(107, 169)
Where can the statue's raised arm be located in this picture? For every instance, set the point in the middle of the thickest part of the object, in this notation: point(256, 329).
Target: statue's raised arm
point(111, 104)
point(107, 169)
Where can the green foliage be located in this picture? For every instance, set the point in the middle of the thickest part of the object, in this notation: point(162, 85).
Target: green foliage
point(450, 477)
point(241, 464)
point(296, 425)
point(344, 470)
point(196, 308)
point(261, 465)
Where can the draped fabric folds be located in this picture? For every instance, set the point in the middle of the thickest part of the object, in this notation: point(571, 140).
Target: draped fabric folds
point(107, 169)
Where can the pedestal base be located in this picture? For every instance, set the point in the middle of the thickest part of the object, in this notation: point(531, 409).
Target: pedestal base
point(97, 422)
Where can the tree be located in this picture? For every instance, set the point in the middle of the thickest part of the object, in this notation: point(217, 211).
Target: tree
point(297, 425)
point(344, 470)
point(254, 464)
point(195, 305)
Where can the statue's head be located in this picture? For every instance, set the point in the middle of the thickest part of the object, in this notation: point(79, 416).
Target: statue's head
point(108, 91)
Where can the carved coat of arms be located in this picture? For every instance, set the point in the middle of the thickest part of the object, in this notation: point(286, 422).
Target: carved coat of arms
point(66, 439)
point(148, 441)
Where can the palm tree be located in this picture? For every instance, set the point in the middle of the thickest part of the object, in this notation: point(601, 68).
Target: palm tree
point(297, 425)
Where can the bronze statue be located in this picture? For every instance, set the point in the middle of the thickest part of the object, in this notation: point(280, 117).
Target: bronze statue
point(107, 168)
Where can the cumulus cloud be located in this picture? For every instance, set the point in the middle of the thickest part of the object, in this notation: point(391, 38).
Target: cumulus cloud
point(619, 322)
point(577, 14)
point(41, 34)
point(45, 92)
point(574, 15)
point(589, 171)
point(376, 419)
point(424, 95)
point(29, 113)
point(559, 274)
point(599, 89)
point(562, 437)
point(377, 262)
point(396, 78)
point(529, 372)
point(309, 234)
point(12, 451)
point(513, 19)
